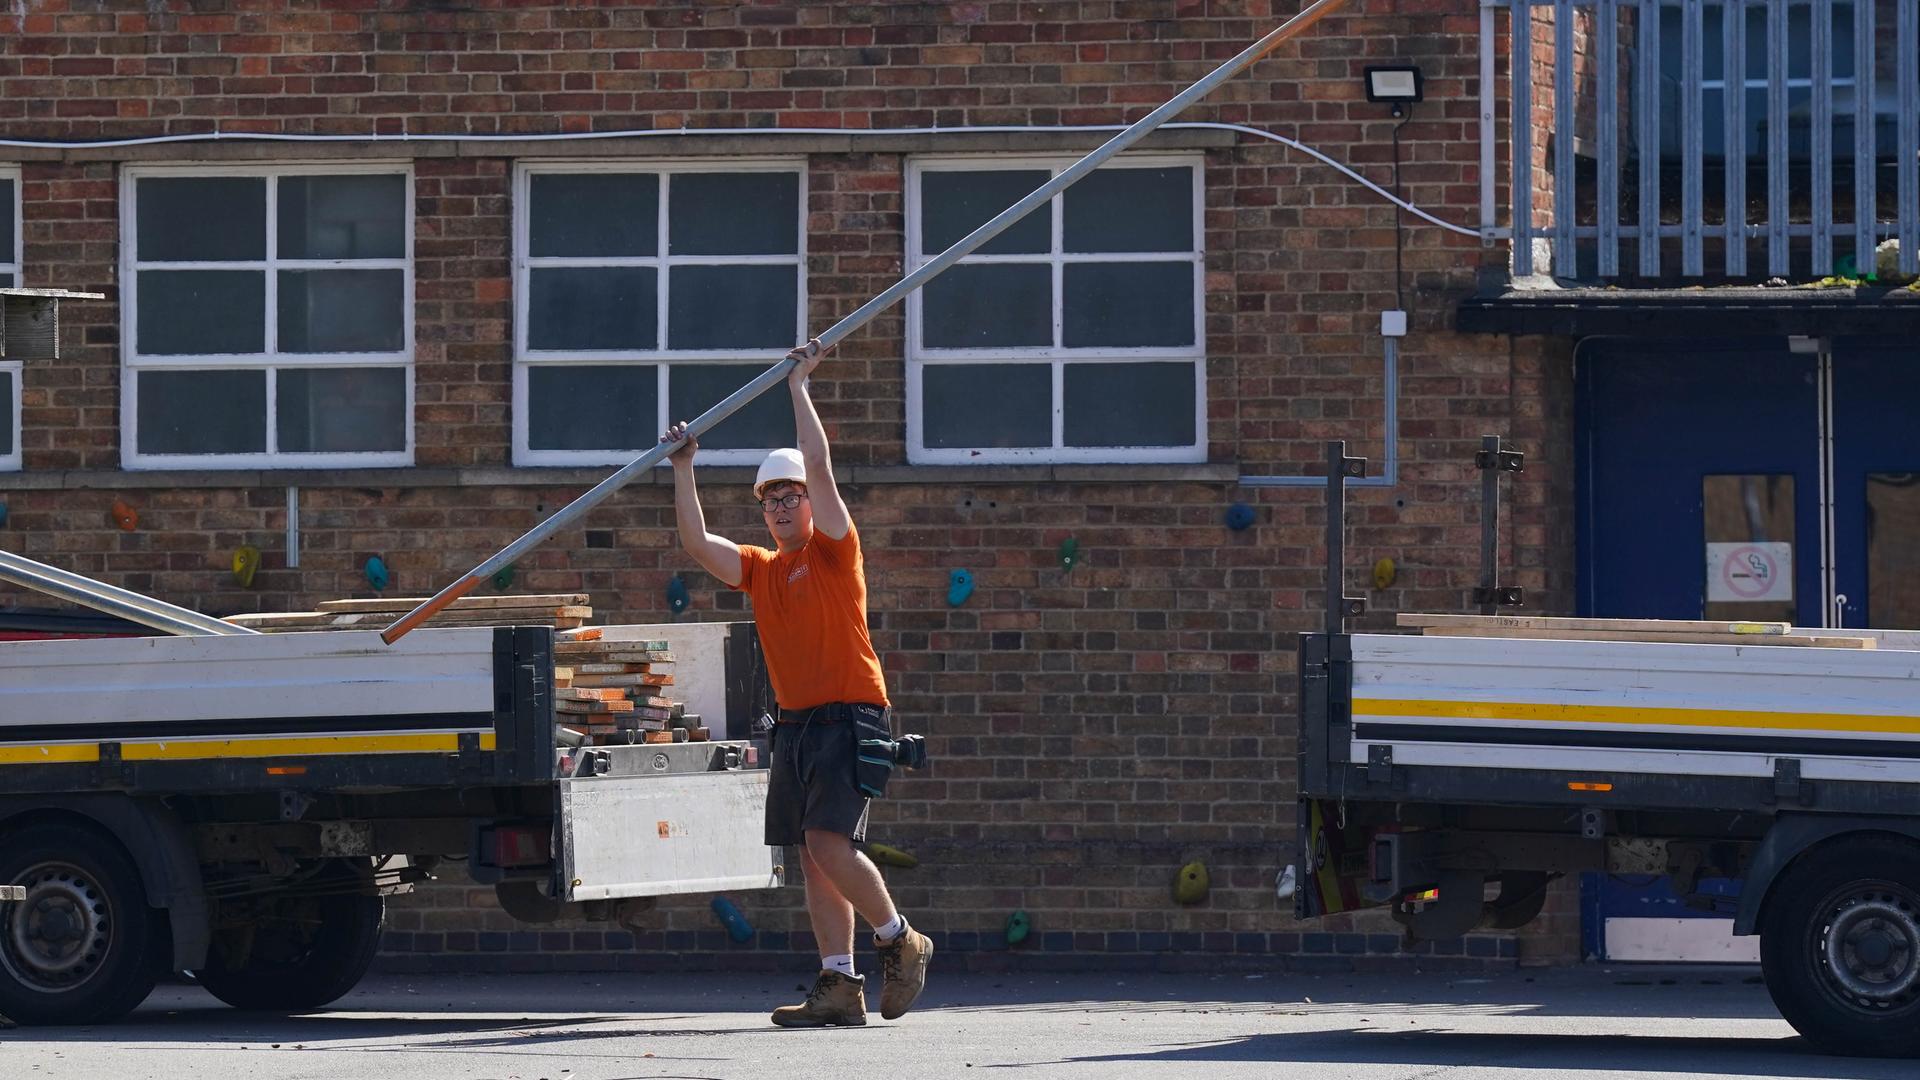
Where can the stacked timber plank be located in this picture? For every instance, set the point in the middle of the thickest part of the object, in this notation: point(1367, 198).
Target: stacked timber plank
point(562, 611)
point(1672, 631)
point(611, 693)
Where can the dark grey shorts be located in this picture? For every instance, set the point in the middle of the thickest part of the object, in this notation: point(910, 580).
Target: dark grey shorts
point(811, 782)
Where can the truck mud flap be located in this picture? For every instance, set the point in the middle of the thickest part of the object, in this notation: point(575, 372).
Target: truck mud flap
point(1333, 863)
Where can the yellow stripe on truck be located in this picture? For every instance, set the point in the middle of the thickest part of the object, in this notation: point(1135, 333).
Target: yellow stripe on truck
point(297, 746)
point(273, 746)
point(1635, 716)
point(62, 754)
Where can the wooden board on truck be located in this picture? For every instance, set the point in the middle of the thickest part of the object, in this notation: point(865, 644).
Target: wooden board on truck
point(1543, 623)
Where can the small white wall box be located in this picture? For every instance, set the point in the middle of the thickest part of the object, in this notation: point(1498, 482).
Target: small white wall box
point(1393, 324)
point(30, 322)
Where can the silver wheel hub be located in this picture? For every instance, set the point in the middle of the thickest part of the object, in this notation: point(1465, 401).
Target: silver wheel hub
point(1871, 944)
point(57, 938)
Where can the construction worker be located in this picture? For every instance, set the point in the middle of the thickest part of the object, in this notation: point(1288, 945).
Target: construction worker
point(810, 606)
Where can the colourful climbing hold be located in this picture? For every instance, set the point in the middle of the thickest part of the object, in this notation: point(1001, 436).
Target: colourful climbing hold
point(125, 516)
point(1190, 885)
point(377, 575)
point(891, 856)
point(1239, 516)
point(1384, 572)
point(731, 917)
point(3, 515)
point(1069, 553)
point(503, 577)
point(959, 587)
point(677, 596)
point(1018, 925)
point(246, 561)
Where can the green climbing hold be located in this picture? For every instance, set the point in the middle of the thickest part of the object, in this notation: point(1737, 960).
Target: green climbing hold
point(1069, 553)
point(891, 856)
point(1190, 885)
point(1018, 924)
point(503, 577)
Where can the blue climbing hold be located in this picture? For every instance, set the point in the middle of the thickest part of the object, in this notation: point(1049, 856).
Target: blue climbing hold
point(1239, 516)
point(3, 515)
point(731, 917)
point(959, 587)
point(677, 596)
point(377, 575)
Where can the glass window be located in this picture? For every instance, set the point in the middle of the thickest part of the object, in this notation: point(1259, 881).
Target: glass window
point(1758, 65)
point(647, 293)
point(1748, 522)
point(1893, 551)
point(1083, 317)
point(269, 317)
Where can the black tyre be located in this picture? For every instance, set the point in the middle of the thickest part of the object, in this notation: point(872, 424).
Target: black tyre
point(1840, 947)
point(83, 947)
point(296, 953)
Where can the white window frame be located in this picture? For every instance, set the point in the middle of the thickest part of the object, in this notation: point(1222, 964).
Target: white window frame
point(750, 361)
point(12, 262)
point(270, 360)
point(919, 356)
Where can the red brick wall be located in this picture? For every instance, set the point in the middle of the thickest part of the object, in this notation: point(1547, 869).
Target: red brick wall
point(1094, 729)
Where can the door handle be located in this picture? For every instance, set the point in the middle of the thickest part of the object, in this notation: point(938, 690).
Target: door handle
point(1839, 610)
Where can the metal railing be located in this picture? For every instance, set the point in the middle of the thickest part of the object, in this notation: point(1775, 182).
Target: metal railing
point(1662, 120)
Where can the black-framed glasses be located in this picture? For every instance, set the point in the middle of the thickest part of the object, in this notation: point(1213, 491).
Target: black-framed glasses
point(782, 502)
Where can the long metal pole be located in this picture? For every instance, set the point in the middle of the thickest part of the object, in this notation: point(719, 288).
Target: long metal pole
point(574, 510)
point(100, 596)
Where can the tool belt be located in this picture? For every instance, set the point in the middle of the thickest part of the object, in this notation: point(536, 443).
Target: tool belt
point(875, 750)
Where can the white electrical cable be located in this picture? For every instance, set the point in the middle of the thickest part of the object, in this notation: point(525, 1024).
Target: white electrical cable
point(572, 136)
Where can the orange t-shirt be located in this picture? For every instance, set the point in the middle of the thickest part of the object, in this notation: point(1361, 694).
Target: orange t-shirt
point(810, 607)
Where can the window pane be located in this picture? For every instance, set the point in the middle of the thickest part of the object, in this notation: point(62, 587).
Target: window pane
point(201, 312)
point(1893, 551)
point(734, 214)
point(953, 204)
point(200, 218)
point(1129, 404)
point(6, 413)
point(726, 307)
point(599, 407)
point(971, 406)
point(1747, 520)
point(761, 424)
point(1128, 304)
point(6, 281)
point(974, 306)
point(8, 208)
point(342, 311)
point(1130, 210)
point(600, 308)
point(341, 410)
point(594, 214)
point(202, 412)
point(343, 217)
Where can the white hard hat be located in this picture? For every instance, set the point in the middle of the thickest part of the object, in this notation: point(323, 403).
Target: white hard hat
point(782, 464)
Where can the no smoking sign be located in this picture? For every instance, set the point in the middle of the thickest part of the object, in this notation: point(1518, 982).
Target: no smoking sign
point(1750, 573)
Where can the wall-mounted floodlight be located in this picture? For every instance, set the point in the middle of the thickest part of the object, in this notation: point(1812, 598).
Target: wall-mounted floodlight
point(1398, 85)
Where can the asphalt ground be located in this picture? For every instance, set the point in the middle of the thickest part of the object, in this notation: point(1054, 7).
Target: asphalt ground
point(1589, 1022)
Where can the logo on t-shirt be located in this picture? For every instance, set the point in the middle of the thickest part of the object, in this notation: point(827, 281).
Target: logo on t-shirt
point(799, 571)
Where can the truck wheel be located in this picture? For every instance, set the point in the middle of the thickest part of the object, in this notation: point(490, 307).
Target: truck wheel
point(83, 947)
point(303, 953)
point(1840, 947)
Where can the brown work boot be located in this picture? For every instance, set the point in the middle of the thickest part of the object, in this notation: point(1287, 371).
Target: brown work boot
point(834, 999)
point(903, 967)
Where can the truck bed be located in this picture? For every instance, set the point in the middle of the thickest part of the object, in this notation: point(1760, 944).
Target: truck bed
point(1631, 724)
point(336, 709)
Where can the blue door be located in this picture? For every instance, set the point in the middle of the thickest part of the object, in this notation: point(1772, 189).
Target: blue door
point(1690, 454)
point(1875, 435)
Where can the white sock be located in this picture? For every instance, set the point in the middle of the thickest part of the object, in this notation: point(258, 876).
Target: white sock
point(894, 928)
point(842, 964)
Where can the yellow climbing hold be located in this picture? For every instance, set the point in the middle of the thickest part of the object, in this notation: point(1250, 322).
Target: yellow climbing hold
point(1190, 884)
point(891, 856)
point(246, 561)
point(1383, 573)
